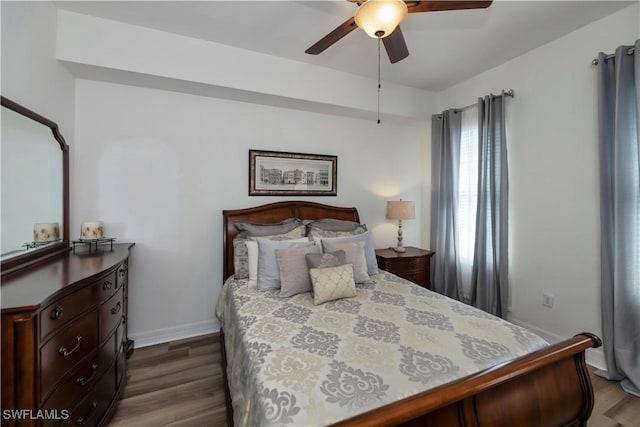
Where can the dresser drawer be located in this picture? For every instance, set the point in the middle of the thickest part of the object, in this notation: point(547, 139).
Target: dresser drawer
point(90, 411)
point(66, 349)
point(122, 273)
point(111, 314)
point(121, 366)
point(107, 285)
point(76, 384)
point(61, 312)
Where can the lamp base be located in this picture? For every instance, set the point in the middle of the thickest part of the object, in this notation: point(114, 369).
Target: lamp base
point(400, 249)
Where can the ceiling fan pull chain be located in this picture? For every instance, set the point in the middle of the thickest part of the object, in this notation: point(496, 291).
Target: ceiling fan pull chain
point(379, 42)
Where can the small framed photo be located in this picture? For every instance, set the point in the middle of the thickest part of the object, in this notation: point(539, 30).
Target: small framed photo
point(276, 173)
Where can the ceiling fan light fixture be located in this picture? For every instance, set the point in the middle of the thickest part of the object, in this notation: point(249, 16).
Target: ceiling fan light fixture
point(379, 18)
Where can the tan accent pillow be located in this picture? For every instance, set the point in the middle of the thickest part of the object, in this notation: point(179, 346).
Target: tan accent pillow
point(332, 283)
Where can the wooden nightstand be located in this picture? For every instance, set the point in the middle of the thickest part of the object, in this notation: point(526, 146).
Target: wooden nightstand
point(413, 265)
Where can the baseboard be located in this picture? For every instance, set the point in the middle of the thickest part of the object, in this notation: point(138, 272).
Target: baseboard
point(593, 356)
point(174, 333)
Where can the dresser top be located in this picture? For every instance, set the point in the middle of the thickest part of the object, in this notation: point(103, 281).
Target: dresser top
point(31, 288)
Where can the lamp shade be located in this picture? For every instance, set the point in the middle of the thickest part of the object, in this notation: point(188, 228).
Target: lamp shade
point(379, 18)
point(401, 209)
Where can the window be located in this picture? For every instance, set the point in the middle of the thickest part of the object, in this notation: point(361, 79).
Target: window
point(467, 194)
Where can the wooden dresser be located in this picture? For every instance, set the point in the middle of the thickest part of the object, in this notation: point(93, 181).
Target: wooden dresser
point(413, 265)
point(64, 339)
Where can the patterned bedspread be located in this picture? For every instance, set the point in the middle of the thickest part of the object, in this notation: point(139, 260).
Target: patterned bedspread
point(293, 363)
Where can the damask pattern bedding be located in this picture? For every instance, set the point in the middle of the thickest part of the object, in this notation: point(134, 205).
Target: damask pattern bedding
point(291, 362)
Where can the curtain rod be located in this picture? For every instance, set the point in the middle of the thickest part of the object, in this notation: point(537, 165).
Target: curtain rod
point(509, 92)
point(630, 52)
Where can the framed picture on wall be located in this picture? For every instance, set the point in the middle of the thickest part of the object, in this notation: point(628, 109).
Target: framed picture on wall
point(276, 173)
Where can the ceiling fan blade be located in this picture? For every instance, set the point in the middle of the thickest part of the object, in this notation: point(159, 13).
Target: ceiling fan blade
point(434, 6)
point(335, 35)
point(395, 45)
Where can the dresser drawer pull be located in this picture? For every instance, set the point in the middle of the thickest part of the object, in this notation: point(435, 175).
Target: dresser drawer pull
point(81, 381)
point(116, 309)
point(56, 313)
point(122, 271)
point(63, 350)
point(83, 420)
point(106, 286)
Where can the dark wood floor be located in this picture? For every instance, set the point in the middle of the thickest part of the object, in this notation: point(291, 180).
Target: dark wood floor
point(180, 384)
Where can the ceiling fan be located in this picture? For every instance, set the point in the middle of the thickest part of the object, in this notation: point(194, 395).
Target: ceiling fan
point(372, 16)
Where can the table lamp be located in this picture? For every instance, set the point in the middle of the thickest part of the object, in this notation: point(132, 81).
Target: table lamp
point(400, 210)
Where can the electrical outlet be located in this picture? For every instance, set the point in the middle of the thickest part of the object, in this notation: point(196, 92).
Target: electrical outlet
point(547, 299)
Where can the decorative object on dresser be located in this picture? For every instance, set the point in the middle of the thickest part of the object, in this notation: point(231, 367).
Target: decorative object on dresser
point(46, 232)
point(275, 173)
point(92, 230)
point(64, 338)
point(92, 235)
point(400, 210)
point(414, 264)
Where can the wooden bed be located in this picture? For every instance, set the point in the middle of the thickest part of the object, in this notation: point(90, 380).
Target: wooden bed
point(547, 388)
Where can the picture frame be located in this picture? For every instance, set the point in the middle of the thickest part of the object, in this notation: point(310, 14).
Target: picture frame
point(277, 173)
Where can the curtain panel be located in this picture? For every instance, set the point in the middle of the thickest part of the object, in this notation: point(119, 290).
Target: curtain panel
point(445, 163)
point(489, 273)
point(618, 118)
point(489, 277)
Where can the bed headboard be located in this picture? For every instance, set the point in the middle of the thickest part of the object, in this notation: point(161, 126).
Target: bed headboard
point(272, 213)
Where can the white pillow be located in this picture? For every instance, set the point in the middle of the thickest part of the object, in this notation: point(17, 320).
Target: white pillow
point(252, 255)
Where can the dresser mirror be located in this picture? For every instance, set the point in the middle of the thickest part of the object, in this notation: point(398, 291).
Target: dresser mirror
point(35, 188)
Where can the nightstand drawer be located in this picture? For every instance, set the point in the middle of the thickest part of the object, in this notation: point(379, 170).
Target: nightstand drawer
point(413, 264)
point(400, 265)
point(419, 277)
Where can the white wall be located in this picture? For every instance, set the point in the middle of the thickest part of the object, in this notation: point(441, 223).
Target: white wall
point(158, 167)
point(553, 172)
point(31, 75)
point(100, 46)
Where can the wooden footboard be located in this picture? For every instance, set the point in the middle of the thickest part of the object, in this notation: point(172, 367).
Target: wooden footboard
point(548, 388)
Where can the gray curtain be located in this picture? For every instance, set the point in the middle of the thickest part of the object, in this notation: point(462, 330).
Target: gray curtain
point(489, 277)
point(445, 163)
point(618, 115)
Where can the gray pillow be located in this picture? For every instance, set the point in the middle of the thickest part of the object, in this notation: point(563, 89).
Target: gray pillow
point(330, 224)
point(327, 259)
point(354, 252)
point(268, 271)
point(369, 250)
point(258, 230)
point(294, 273)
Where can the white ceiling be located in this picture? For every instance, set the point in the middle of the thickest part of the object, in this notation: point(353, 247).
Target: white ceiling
point(445, 47)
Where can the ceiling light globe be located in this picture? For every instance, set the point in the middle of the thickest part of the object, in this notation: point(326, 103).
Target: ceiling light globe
point(379, 18)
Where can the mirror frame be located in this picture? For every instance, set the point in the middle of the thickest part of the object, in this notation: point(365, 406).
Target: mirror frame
point(41, 255)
